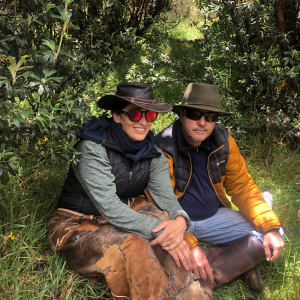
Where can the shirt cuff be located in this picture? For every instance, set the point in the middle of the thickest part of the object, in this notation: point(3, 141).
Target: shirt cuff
point(190, 239)
point(272, 230)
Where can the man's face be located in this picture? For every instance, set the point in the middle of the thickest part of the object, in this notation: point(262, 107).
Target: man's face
point(196, 131)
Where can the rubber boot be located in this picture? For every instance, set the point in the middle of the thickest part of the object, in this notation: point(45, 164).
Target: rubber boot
point(252, 277)
point(254, 280)
point(239, 257)
point(211, 254)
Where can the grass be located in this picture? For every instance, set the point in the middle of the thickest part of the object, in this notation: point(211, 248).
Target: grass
point(28, 202)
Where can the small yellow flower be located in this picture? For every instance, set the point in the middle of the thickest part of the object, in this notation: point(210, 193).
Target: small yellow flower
point(11, 236)
point(45, 139)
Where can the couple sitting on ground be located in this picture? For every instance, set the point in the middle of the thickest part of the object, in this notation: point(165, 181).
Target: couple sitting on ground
point(135, 206)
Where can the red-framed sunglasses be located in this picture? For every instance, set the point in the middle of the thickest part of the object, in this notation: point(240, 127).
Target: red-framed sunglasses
point(136, 114)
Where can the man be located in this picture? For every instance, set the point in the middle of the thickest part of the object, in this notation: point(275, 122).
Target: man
point(204, 160)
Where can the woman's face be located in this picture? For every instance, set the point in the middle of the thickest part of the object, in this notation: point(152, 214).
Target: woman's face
point(136, 131)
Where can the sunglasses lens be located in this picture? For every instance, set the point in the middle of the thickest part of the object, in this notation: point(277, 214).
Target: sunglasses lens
point(211, 117)
point(151, 116)
point(135, 115)
point(194, 115)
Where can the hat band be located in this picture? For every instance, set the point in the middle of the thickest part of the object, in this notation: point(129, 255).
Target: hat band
point(140, 100)
point(202, 103)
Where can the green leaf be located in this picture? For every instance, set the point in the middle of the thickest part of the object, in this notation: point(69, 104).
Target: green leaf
point(39, 22)
point(61, 10)
point(69, 15)
point(5, 45)
point(42, 120)
point(12, 61)
point(58, 79)
point(12, 168)
point(26, 74)
point(3, 154)
point(4, 177)
point(2, 82)
point(26, 67)
point(48, 72)
point(35, 76)
point(17, 123)
point(21, 62)
point(50, 6)
point(41, 90)
point(33, 83)
point(57, 17)
point(50, 44)
point(49, 56)
point(8, 86)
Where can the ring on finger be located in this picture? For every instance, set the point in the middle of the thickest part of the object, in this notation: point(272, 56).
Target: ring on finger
point(168, 244)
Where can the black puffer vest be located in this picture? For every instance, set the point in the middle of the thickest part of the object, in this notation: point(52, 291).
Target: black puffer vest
point(131, 178)
point(170, 140)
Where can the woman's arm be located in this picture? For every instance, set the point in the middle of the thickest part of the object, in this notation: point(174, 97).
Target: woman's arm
point(95, 174)
point(160, 188)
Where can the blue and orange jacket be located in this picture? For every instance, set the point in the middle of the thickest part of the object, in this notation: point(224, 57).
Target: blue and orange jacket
point(227, 172)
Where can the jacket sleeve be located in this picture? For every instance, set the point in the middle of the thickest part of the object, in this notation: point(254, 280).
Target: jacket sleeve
point(95, 174)
point(190, 239)
point(245, 194)
point(159, 187)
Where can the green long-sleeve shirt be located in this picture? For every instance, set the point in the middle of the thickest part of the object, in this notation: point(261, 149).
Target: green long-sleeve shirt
point(95, 174)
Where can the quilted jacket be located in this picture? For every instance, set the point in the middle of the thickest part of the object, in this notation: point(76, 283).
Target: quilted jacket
point(227, 172)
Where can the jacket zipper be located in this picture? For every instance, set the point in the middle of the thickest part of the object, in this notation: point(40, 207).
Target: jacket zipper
point(191, 173)
point(130, 177)
point(209, 173)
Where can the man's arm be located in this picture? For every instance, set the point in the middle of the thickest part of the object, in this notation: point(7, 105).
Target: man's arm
point(245, 194)
point(250, 201)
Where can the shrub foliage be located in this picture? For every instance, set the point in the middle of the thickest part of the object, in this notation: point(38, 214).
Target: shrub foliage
point(253, 54)
point(49, 52)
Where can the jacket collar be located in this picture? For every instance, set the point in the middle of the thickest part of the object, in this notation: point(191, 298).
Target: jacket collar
point(216, 140)
point(111, 141)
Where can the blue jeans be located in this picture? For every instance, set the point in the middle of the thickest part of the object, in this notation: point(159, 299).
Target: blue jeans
point(224, 227)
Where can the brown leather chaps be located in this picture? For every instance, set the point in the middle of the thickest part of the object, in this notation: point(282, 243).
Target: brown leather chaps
point(131, 267)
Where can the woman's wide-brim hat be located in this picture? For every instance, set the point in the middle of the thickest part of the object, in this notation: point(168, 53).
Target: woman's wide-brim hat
point(201, 96)
point(140, 94)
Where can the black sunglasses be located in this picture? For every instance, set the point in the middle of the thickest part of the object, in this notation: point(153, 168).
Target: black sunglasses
point(136, 114)
point(196, 115)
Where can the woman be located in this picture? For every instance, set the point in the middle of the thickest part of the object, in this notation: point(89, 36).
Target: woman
point(102, 225)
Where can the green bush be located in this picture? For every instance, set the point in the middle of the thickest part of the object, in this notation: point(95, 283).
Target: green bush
point(55, 56)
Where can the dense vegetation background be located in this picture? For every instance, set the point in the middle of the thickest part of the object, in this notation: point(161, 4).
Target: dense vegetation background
point(57, 58)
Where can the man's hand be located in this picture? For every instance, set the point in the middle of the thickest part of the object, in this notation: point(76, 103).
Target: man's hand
point(181, 254)
point(172, 235)
point(199, 264)
point(272, 240)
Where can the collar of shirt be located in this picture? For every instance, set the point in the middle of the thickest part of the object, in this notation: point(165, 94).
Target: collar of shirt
point(204, 144)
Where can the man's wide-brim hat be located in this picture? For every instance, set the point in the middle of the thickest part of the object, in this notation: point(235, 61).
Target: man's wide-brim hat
point(201, 96)
point(140, 94)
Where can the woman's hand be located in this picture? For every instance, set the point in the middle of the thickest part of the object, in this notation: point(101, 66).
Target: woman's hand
point(172, 235)
point(181, 254)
